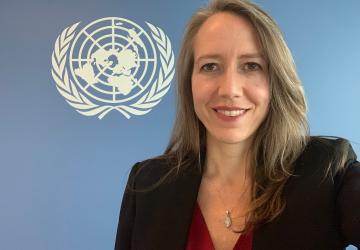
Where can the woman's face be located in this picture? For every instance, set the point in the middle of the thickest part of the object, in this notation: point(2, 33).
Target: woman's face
point(230, 83)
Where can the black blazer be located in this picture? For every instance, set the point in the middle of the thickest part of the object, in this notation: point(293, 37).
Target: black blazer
point(320, 214)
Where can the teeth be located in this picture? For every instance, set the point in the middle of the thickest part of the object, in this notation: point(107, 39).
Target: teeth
point(232, 112)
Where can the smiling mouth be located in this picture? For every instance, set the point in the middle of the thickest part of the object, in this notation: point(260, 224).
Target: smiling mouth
point(231, 113)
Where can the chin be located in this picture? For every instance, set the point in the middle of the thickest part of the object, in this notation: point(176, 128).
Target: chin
point(232, 138)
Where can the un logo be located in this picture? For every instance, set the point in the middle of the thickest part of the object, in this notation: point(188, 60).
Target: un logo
point(113, 64)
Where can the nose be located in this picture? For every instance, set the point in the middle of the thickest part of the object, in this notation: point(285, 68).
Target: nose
point(230, 84)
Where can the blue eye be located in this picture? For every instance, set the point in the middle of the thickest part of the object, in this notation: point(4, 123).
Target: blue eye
point(209, 67)
point(252, 66)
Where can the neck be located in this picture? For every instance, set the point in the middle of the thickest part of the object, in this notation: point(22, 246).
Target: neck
point(226, 162)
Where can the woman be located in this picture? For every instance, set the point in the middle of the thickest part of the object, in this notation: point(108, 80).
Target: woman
point(241, 171)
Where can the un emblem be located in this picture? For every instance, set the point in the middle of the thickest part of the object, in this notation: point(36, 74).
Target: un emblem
point(113, 64)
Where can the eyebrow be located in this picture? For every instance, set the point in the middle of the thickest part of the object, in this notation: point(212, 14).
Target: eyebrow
point(217, 56)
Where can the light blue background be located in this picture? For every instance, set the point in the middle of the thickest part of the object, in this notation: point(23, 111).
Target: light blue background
point(62, 174)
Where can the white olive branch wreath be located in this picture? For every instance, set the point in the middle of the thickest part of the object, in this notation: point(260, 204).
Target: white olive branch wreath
point(152, 97)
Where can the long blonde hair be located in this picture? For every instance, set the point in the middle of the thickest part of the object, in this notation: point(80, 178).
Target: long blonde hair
point(280, 138)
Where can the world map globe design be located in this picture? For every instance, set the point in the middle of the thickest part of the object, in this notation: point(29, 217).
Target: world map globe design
point(113, 60)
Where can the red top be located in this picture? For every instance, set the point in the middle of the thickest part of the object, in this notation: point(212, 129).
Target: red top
point(199, 236)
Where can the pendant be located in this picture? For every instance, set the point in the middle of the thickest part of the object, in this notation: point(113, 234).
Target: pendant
point(227, 220)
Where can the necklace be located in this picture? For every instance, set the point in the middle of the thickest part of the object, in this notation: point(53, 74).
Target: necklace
point(228, 220)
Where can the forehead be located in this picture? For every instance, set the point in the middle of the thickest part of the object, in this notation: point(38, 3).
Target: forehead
point(226, 33)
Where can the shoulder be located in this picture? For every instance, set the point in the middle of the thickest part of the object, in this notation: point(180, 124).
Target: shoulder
point(162, 168)
point(326, 181)
point(335, 151)
point(348, 202)
point(347, 192)
point(329, 146)
point(334, 160)
point(150, 170)
point(324, 158)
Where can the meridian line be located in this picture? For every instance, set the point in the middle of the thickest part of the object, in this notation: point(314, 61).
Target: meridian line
point(113, 33)
point(94, 41)
point(131, 41)
point(100, 72)
point(137, 83)
point(103, 69)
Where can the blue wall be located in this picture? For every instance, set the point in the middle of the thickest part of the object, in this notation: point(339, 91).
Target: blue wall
point(63, 174)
